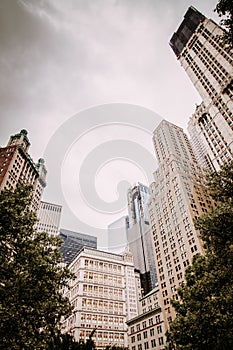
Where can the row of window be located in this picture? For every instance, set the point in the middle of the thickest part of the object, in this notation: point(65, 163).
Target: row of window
point(151, 321)
point(102, 306)
point(146, 344)
point(99, 265)
point(98, 291)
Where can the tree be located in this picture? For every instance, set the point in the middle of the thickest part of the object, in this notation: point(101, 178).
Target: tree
point(31, 275)
point(224, 9)
point(67, 342)
point(204, 313)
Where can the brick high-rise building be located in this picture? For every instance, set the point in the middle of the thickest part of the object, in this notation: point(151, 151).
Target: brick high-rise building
point(16, 166)
point(178, 197)
point(209, 64)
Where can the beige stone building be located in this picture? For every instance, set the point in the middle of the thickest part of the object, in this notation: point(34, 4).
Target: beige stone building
point(104, 295)
point(178, 197)
point(209, 65)
point(49, 216)
point(17, 166)
point(147, 331)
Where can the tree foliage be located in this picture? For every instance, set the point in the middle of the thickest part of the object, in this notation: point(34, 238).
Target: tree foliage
point(224, 9)
point(204, 313)
point(31, 276)
point(67, 342)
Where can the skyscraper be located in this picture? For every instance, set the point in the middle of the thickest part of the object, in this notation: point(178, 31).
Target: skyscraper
point(117, 234)
point(139, 235)
point(49, 216)
point(73, 243)
point(209, 64)
point(16, 166)
point(178, 197)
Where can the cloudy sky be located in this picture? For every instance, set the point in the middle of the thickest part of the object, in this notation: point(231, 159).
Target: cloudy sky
point(59, 58)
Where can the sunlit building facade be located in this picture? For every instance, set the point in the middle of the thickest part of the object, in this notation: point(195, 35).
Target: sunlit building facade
point(105, 295)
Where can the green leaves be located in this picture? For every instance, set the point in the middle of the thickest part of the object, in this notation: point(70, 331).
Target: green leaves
point(31, 276)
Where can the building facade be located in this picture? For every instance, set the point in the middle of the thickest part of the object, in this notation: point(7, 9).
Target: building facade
point(209, 65)
point(104, 295)
point(117, 235)
point(178, 197)
point(16, 166)
point(49, 216)
point(147, 331)
point(73, 243)
point(139, 235)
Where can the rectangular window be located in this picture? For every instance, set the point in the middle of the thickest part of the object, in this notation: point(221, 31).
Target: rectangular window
point(153, 343)
point(161, 341)
point(146, 345)
point(152, 332)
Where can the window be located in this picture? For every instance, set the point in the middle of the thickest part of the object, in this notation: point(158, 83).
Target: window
point(153, 343)
point(138, 327)
point(144, 324)
point(146, 345)
point(139, 346)
point(161, 341)
point(139, 336)
point(159, 329)
point(132, 329)
point(133, 339)
point(145, 334)
point(152, 332)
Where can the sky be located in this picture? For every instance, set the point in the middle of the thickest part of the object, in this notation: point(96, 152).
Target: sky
point(89, 81)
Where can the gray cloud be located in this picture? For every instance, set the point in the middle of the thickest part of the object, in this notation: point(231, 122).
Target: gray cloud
point(61, 56)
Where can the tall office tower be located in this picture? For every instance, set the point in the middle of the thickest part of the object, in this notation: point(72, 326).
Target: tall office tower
point(49, 216)
point(117, 235)
point(178, 197)
point(209, 64)
point(146, 330)
point(105, 295)
point(139, 236)
point(73, 242)
point(16, 166)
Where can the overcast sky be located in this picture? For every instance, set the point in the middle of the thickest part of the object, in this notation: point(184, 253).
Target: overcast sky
point(60, 57)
